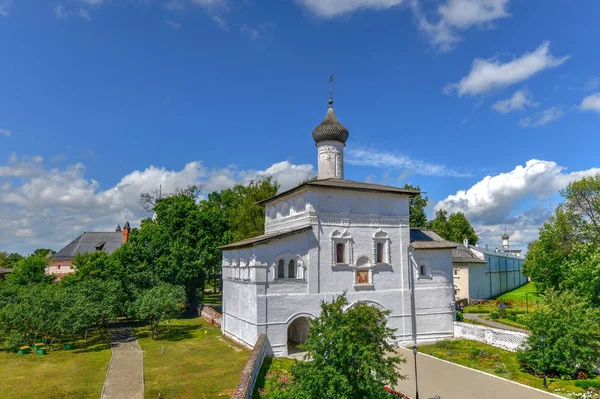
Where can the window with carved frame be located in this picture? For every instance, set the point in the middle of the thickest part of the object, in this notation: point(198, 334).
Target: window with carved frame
point(341, 248)
point(381, 248)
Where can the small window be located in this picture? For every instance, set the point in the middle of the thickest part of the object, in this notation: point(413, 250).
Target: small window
point(339, 253)
point(280, 269)
point(362, 277)
point(456, 272)
point(58, 267)
point(292, 269)
point(379, 252)
point(423, 270)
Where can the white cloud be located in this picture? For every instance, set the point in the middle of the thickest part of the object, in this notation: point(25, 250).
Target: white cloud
point(544, 117)
point(220, 22)
point(60, 12)
point(5, 6)
point(458, 15)
point(518, 102)
point(494, 201)
point(249, 32)
point(488, 74)
point(173, 24)
point(334, 8)
point(48, 207)
point(383, 159)
point(591, 103)
point(5, 132)
point(592, 84)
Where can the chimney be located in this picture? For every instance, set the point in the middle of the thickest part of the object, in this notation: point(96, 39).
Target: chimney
point(126, 230)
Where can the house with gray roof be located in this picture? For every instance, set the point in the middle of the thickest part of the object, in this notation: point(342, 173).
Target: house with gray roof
point(62, 262)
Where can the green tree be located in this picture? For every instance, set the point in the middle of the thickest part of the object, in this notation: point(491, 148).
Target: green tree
point(454, 228)
point(247, 219)
point(97, 265)
point(583, 277)
point(582, 201)
point(439, 223)
point(571, 336)
point(546, 257)
point(350, 354)
point(8, 261)
point(418, 203)
point(29, 270)
point(158, 304)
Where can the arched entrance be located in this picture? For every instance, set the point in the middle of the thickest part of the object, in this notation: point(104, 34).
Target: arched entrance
point(297, 334)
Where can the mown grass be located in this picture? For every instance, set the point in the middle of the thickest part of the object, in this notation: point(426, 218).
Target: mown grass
point(496, 361)
point(519, 300)
point(190, 359)
point(270, 365)
point(77, 373)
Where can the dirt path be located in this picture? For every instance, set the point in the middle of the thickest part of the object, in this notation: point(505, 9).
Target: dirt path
point(475, 317)
point(125, 376)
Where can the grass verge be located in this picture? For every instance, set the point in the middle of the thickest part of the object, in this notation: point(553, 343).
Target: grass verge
point(270, 365)
point(77, 373)
point(190, 359)
point(496, 361)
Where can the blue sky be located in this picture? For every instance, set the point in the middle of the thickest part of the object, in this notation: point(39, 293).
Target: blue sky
point(491, 106)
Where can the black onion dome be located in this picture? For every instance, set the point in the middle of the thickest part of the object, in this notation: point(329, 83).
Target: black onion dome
point(330, 128)
point(505, 236)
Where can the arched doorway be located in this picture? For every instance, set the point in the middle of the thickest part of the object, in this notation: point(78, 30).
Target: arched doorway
point(297, 334)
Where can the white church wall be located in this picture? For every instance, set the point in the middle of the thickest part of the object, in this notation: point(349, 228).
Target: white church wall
point(434, 294)
point(286, 213)
point(240, 310)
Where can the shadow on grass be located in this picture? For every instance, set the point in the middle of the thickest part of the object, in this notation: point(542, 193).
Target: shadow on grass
point(172, 333)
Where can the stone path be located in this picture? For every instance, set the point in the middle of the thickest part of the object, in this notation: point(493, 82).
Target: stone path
point(451, 381)
point(475, 317)
point(125, 376)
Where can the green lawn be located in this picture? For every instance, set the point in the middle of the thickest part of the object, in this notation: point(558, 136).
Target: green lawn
point(494, 361)
point(78, 373)
point(270, 365)
point(517, 299)
point(198, 362)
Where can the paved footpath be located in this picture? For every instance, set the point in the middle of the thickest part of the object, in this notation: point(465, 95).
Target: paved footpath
point(475, 317)
point(125, 377)
point(451, 381)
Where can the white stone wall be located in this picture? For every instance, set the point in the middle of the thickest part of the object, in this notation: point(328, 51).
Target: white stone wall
point(256, 301)
point(509, 340)
point(434, 294)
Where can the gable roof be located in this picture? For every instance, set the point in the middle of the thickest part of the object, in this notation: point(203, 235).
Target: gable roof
point(428, 239)
point(91, 242)
point(265, 238)
point(342, 184)
point(462, 254)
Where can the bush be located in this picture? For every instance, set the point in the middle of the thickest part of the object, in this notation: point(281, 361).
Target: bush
point(459, 316)
point(502, 312)
point(494, 314)
point(512, 316)
point(587, 384)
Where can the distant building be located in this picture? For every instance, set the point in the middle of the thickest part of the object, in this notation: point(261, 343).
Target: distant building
point(4, 272)
point(62, 262)
point(482, 273)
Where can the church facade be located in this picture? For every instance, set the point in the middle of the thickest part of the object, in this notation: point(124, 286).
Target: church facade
point(328, 236)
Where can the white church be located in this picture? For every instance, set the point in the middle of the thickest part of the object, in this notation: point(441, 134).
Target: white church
point(331, 235)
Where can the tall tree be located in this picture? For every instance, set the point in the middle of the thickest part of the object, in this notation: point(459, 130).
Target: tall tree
point(455, 227)
point(43, 252)
point(247, 218)
point(582, 201)
point(418, 203)
point(158, 304)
